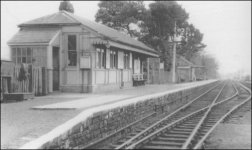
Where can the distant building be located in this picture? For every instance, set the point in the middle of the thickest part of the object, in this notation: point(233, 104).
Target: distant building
point(186, 71)
point(80, 55)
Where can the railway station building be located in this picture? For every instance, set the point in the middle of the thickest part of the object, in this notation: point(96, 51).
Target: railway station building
point(80, 55)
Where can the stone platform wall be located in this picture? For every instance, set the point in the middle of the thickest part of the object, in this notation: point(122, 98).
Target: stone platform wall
point(96, 123)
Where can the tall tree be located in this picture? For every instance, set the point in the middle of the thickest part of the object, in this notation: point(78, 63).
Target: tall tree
point(160, 24)
point(191, 42)
point(155, 26)
point(67, 6)
point(121, 15)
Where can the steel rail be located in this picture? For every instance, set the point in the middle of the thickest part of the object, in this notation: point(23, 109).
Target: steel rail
point(236, 92)
point(201, 142)
point(188, 141)
point(132, 146)
point(128, 142)
point(90, 145)
point(163, 128)
point(171, 124)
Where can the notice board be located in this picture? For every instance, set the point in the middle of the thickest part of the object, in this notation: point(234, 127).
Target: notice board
point(85, 62)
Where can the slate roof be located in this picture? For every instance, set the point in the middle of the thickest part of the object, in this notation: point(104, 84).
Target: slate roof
point(52, 19)
point(66, 18)
point(33, 36)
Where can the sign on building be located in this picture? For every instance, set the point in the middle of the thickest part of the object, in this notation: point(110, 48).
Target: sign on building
point(162, 65)
point(85, 62)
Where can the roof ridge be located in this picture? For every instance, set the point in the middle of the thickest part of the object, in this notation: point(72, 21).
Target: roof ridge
point(64, 17)
point(94, 22)
point(70, 14)
point(65, 12)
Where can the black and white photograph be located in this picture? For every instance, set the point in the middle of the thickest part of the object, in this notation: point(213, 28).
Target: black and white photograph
point(125, 74)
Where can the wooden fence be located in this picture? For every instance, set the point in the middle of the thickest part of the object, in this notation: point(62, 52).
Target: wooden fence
point(35, 81)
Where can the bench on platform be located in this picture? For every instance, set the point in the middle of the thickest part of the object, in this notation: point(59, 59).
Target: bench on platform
point(138, 79)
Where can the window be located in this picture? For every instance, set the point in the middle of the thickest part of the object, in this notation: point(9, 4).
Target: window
point(126, 60)
point(14, 55)
point(22, 55)
point(113, 59)
point(36, 55)
point(72, 50)
point(101, 58)
point(29, 55)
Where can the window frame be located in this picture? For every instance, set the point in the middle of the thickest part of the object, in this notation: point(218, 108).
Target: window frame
point(101, 57)
point(73, 52)
point(21, 54)
point(113, 59)
point(126, 59)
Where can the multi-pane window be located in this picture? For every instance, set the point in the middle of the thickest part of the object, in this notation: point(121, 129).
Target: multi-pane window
point(113, 59)
point(72, 50)
point(22, 55)
point(30, 55)
point(126, 60)
point(101, 58)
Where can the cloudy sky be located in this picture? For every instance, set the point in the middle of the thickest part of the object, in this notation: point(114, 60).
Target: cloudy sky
point(226, 26)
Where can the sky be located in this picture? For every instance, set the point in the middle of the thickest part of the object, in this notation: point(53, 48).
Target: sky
point(226, 26)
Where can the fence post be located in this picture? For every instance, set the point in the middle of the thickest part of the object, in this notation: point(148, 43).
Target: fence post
point(44, 81)
point(30, 78)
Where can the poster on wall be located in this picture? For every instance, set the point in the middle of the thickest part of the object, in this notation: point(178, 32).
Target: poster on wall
point(85, 62)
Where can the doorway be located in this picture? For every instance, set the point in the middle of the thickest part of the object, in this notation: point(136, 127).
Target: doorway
point(56, 68)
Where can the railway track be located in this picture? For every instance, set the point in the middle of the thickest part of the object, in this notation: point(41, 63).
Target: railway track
point(201, 102)
point(180, 133)
point(136, 127)
point(243, 103)
point(140, 126)
point(187, 131)
point(184, 128)
point(190, 132)
point(239, 112)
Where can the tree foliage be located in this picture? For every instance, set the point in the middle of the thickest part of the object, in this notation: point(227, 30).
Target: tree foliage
point(156, 25)
point(121, 14)
point(67, 6)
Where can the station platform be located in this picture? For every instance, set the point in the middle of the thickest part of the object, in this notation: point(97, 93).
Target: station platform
point(25, 121)
point(119, 95)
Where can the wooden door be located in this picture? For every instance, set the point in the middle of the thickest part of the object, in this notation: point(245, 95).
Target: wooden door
point(56, 69)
